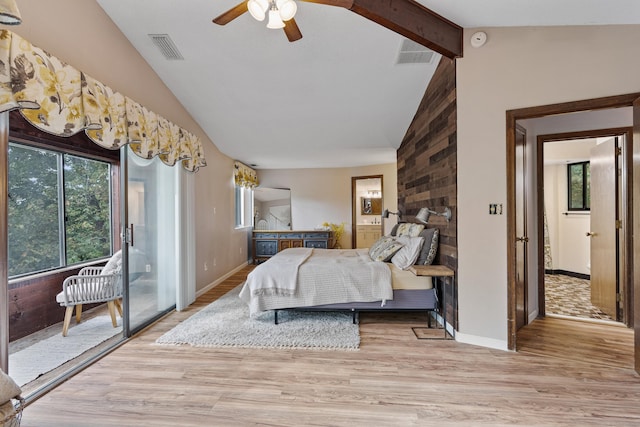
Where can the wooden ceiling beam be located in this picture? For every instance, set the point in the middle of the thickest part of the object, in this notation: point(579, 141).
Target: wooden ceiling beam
point(415, 22)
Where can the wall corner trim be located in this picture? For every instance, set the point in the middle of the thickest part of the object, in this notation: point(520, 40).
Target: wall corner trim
point(482, 341)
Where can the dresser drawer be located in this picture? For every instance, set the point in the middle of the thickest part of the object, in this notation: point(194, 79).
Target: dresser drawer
point(317, 235)
point(266, 247)
point(290, 243)
point(265, 235)
point(319, 244)
point(291, 235)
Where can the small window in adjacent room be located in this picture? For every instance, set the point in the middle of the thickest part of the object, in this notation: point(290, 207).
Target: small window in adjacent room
point(579, 180)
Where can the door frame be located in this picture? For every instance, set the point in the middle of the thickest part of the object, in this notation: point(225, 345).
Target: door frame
point(635, 245)
point(626, 247)
point(4, 241)
point(355, 204)
point(534, 112)
point(522, 286)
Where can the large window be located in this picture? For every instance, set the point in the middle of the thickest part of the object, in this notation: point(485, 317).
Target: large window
point(579, 186)
point(59, 209)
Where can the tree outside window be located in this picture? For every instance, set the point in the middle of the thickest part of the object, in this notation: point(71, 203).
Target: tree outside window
point(59, 210)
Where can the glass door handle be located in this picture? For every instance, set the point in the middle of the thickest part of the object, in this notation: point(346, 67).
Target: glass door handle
point(127, 234)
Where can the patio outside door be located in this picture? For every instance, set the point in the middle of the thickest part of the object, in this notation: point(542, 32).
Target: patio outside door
point(150, 244)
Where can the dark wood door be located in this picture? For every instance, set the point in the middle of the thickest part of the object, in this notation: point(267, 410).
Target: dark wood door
point(522, 312)
point(636, 232)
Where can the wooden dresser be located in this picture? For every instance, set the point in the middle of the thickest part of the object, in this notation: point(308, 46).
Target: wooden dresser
point(268, 243)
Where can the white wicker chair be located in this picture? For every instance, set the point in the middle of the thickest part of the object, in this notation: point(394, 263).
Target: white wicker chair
point(90, 286)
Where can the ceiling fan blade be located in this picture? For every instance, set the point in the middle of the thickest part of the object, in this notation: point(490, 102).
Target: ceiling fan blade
point(347, 4)
point(231, 14)
point(291, 30)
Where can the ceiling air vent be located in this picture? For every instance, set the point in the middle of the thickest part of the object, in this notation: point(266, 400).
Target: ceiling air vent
point(414, 53)
point(167, 46)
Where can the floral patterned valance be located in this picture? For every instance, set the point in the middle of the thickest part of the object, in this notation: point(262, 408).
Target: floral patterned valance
point(244, 176)
point(59, 99)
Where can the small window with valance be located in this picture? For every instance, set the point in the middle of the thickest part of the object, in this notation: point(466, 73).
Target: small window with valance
point(245, 180)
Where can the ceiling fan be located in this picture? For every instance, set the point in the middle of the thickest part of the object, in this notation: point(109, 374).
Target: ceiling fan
point(279, 12)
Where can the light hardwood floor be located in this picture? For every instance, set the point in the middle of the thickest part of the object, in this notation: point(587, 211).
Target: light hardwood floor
point(393, 380)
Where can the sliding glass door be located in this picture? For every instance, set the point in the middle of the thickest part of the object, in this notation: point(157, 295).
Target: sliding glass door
point(150, 246)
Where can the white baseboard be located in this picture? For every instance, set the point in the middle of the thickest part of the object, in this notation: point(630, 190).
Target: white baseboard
point(533, 316)
point(482, 341)
point(220, 280)
point(473, 339)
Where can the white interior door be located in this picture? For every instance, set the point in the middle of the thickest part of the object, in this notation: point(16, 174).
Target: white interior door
point(604, 233)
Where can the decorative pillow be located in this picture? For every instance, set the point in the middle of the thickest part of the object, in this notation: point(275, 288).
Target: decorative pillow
point(114, 265)
point(409, 229)
point(8, 388)
point(430, 246)
point(380, 242)
point(384, 249)
point(408, 254)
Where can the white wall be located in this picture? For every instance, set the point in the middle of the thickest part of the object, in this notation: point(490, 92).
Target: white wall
point(516, 68)
point(319, 195)
point(570, 247)
point(552, 207)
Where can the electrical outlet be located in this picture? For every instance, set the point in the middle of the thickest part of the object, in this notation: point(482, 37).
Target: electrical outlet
point(148, 268)
point(206, 267)
point(214, 211)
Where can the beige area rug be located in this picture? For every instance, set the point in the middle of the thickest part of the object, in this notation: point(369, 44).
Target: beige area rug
point(226, 323)
point(29, 363)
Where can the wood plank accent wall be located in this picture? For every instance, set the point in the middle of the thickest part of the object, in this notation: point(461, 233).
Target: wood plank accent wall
point(427, 166)
point(32, 303)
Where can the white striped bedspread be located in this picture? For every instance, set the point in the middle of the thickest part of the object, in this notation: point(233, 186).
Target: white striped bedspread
point(328, 276)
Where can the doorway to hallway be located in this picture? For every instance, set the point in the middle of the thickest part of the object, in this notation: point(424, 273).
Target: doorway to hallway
point(584, 194)
point(559, 115)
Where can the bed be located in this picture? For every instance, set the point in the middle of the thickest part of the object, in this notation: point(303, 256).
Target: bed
point(346, 279)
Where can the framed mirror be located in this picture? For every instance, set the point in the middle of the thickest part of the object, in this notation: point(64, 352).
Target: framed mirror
point(271, 208)
point(371, 206)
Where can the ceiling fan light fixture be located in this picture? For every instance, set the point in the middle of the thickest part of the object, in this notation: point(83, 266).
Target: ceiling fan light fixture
point(287, 9)
point(258, 8)
point(9, 13)
point(275, 22)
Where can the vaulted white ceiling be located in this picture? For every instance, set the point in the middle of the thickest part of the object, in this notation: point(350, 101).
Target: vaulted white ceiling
point(335, 98)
